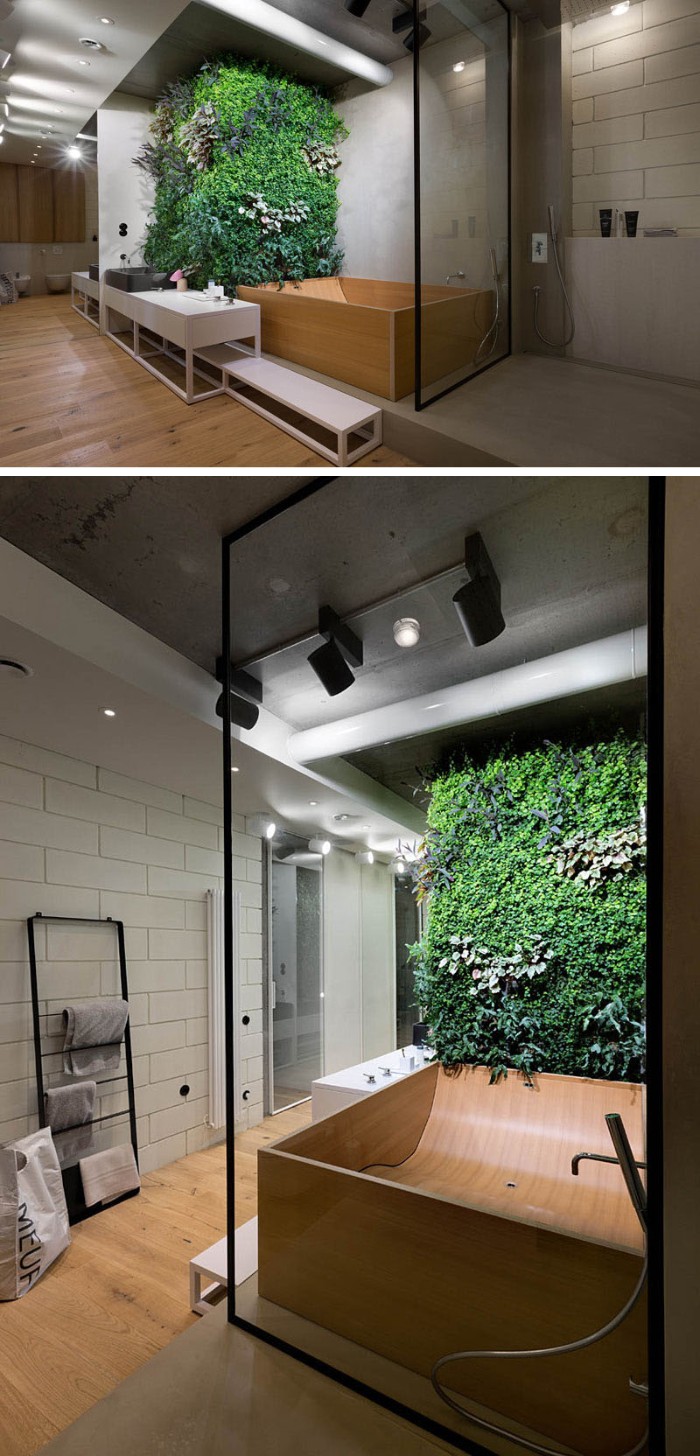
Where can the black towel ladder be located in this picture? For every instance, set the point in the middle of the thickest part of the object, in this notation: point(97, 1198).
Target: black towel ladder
point(72, 1182)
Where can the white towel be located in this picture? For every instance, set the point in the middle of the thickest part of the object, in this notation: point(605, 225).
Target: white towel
point(107, 1175)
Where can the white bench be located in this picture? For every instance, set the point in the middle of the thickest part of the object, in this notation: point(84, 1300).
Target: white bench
point(213, 1265)
point(355, 427)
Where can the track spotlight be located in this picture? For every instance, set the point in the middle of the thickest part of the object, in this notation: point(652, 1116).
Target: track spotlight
point(423, 35)
point(246, 694)
point(357, 7)
point(364, 856)
point(243, 713)
point(261, 826)
point(330, 662)
point(320, 846)
point(478, 602)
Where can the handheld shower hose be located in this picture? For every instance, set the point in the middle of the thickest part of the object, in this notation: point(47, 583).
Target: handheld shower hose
point(552, 343)
point(480, 357)
point(638, 1198)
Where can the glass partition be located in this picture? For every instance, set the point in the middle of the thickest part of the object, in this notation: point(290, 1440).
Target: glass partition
point(463, 183)
point(462, 663)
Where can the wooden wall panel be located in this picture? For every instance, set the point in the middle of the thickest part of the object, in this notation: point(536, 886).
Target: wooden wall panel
point(35, 185)
point(9, 205)
point(69, 206)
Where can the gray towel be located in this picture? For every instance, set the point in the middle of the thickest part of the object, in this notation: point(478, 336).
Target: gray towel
point(94, 1032)
point(107, 1175)
point(69, 1113)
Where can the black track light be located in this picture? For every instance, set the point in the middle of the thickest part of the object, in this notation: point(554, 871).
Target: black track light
point(243, 713)
point(246, 693)
point(330, 662)
point(357, 7)
point(331, 669)
point(478, 602)
point(423, 35)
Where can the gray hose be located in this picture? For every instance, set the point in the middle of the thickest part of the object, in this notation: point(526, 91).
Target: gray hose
point(581, 1344)
point(551, 343)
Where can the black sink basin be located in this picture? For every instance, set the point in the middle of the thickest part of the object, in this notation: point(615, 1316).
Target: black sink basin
point(137, 280)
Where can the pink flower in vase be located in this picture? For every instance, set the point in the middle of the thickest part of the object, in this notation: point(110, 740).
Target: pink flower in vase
point(176, 276)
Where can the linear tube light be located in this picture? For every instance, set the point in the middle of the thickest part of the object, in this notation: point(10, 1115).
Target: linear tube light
point(271, 21)
point(615, 659)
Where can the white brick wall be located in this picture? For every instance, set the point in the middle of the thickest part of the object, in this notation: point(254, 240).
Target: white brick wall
point(636, 116)
point(76, 839)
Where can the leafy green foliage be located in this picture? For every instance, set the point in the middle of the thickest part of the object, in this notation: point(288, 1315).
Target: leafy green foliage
point(244, 159)
point(533, 871)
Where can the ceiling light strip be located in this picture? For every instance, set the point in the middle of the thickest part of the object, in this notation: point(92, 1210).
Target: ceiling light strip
point(267, 18)
point(615, 659)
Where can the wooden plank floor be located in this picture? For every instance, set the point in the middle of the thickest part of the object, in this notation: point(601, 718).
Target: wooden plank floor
point(70, 397)
point(121, 1291)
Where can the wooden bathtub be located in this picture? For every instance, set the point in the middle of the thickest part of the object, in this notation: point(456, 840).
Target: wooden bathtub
point(441, 1214)
point(361, 331)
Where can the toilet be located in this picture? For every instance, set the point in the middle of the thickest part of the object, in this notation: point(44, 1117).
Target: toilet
point(22, 282)
point(58, 282)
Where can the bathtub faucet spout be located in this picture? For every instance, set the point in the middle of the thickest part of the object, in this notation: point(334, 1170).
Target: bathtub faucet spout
point(450, 276)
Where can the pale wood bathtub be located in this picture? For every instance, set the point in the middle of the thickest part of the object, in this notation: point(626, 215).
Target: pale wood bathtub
point(361, 330)
point(395, 1223)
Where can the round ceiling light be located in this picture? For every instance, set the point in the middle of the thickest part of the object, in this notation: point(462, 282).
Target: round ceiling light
point(459, 66)
point(74, 152)
point(105, 20)
point(10, 668)
point(90, 45)
point(406, 631)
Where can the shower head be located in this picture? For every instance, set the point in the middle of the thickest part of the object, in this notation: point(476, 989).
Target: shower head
point(552, 223)
point(494, 264)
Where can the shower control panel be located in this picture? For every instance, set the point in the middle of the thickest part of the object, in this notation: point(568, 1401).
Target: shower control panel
point(539, 248)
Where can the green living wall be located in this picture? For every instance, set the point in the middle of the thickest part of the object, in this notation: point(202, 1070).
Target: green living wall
point(244, 160)
point(533, 869)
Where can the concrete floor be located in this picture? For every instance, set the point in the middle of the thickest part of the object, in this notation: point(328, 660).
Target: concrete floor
point(540, 412)
point(216, 1391)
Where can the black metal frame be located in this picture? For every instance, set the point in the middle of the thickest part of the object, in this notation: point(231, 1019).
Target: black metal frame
point(72, 1184)
point(655, 1210)
point(419, 402)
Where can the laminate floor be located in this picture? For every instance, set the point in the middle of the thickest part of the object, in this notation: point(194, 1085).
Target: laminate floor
point(120, 1292)
point(72, 398)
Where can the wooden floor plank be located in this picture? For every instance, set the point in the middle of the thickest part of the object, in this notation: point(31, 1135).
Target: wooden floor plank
point(71, 398)
point(121, 1291)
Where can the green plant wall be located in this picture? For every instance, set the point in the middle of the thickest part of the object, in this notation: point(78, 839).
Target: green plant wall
point(533, 870)
point(244, 160)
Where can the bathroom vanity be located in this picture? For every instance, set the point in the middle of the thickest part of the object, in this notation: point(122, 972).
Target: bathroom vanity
point(180, 337)
point(85, 297)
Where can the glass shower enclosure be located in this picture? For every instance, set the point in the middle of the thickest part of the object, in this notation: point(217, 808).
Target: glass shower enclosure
point(461, 55)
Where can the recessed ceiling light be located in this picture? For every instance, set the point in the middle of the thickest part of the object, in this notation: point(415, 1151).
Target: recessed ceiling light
point(313, 803)
point(76, 154)
point(341, 818)
point(108, 712)
point(105, 20)
point(83, 63)
point(15, 669)
point(459, 65)
point(621, 8)
point(406, 631)
point(234, 769)
point(90, 44)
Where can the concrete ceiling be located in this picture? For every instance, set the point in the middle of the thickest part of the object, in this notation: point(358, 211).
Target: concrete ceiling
point(200, 31)
point(570, 554)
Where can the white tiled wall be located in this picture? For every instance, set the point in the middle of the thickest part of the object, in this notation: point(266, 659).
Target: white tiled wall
point(76, 839)
point(636, 116)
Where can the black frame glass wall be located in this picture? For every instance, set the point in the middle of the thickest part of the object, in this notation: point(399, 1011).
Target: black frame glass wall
point(396, 1396)
point(462, 165)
